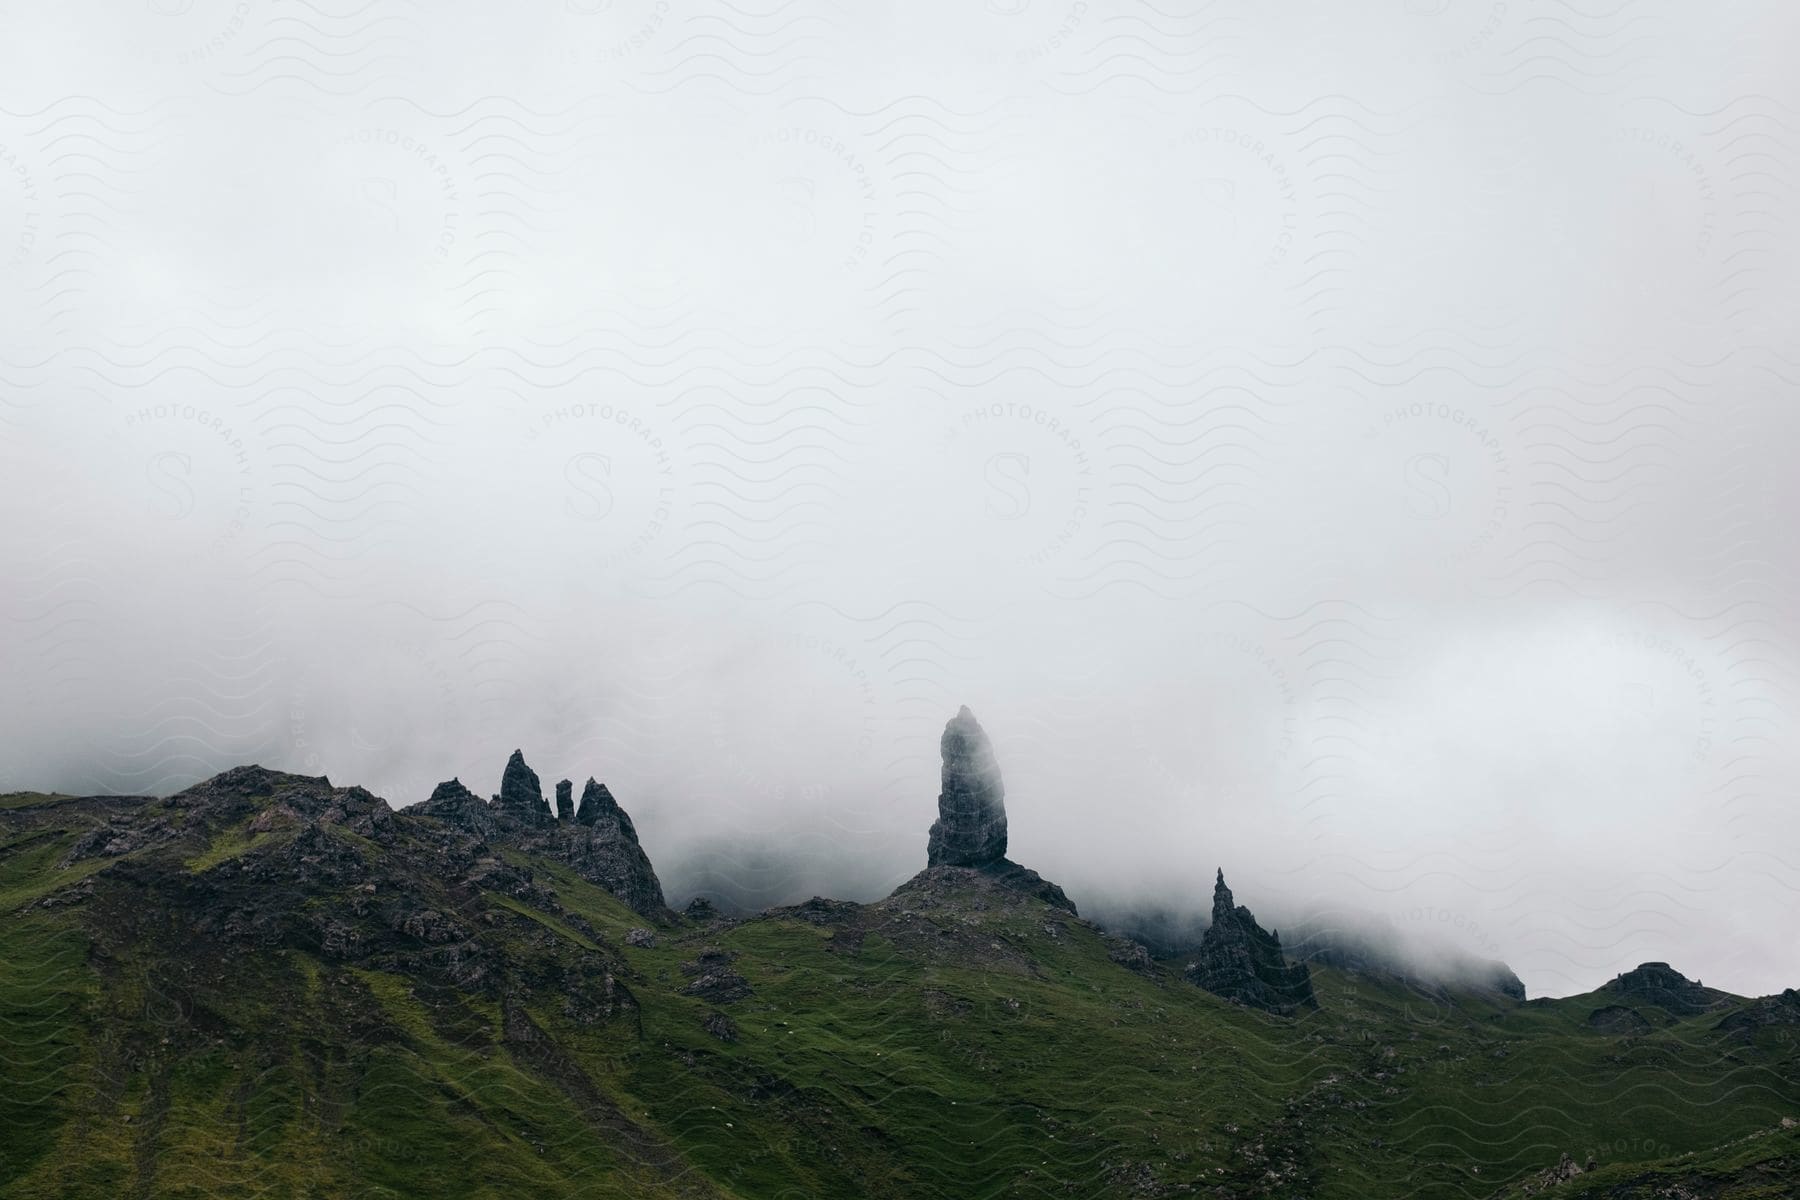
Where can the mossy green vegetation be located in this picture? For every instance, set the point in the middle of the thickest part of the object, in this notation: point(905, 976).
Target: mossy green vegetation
point(287, 1015)
point(230, 844)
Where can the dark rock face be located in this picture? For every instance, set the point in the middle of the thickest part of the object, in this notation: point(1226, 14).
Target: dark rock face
point(606, 852)
point(599, 842)
point(565, 801)
point(598, 807)
point(1783, 1009)
point(1242, 962)
point(1662, 985)
point(971, 827)
point(456, 805)
point(520, 792)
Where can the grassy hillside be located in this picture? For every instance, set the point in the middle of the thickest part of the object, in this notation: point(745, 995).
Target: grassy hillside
point(320, 1006)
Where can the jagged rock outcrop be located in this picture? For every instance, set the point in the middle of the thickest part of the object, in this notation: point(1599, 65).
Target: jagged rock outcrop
point(1564, 1170)
point(456, 805)
point(713, 978)
point(971, 827)
point(1127, 953)
point(598, 807)
point(1662, 985)
point(598, 841)
point(701, 909)
point(521, 794)
point(1242, 962)
point(602, 844)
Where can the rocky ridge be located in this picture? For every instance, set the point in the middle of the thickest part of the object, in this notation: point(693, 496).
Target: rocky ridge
point(597, 840)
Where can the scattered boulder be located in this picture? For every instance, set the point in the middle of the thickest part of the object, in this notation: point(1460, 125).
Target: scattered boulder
point(1564, 1170)
point(714, 980)
point(721, 1027)
point(1243, 963)
point(701, 909)
point(643, 938)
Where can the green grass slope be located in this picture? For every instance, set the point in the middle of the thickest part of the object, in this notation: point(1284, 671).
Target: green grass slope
point(288, 993)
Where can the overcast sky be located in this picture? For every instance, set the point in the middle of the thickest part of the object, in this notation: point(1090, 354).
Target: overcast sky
point(1347, 444)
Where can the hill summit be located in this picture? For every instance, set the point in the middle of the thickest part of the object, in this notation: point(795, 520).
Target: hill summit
point(969, 835)
point(598, 840)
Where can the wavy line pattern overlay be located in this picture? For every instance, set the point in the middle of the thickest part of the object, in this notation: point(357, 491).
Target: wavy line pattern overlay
point(1352, 441)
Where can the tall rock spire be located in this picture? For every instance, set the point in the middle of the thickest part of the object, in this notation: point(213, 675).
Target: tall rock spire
point(520, 792)
point(971, 827)
point(1243, 962)
point(969, 834)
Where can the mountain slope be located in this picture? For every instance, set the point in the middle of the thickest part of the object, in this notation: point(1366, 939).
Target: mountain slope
point(271, 986)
